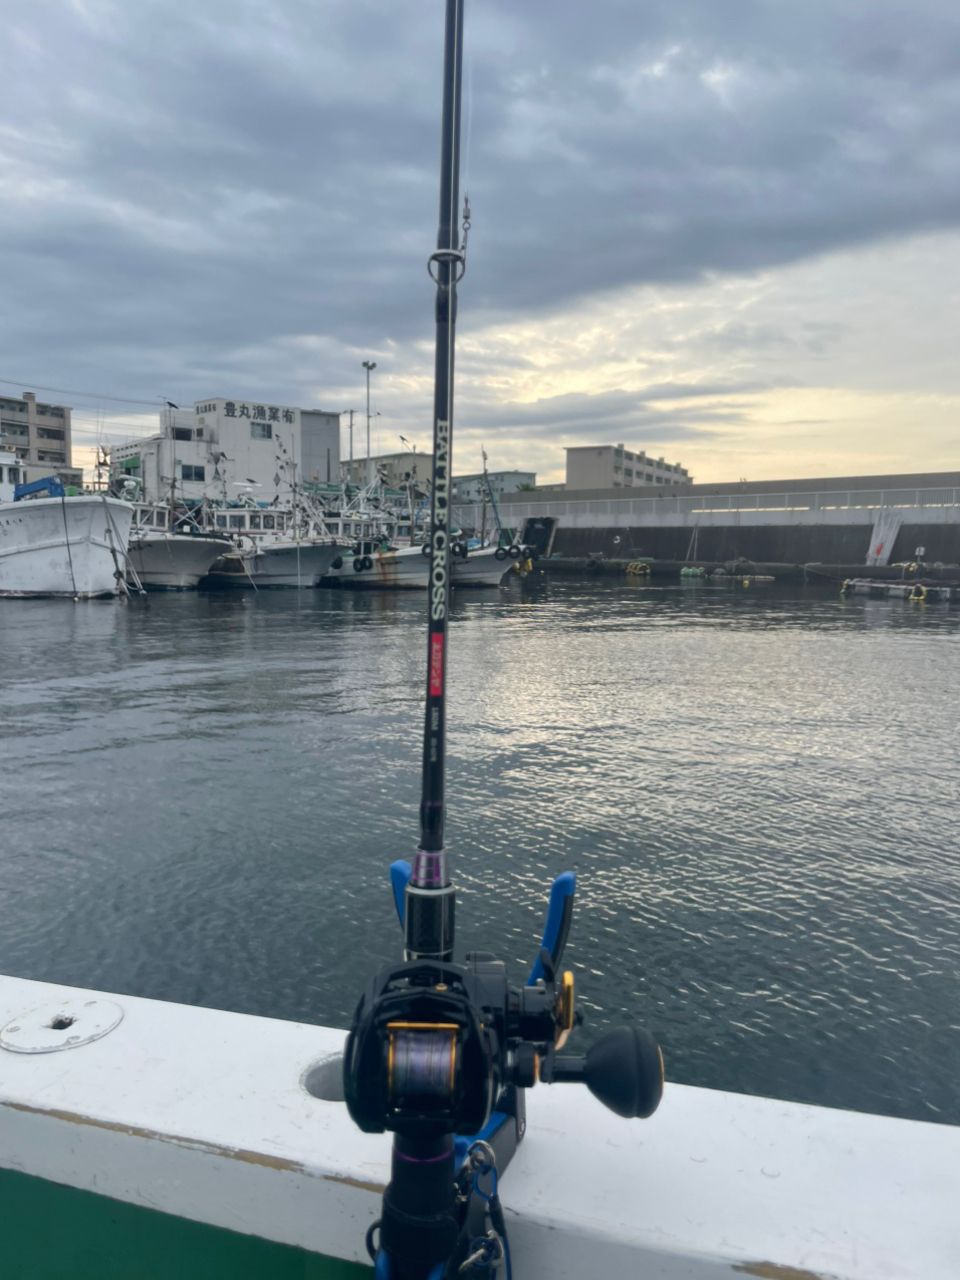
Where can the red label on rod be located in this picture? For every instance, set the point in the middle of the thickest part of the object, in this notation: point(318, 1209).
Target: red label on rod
point(436, 665)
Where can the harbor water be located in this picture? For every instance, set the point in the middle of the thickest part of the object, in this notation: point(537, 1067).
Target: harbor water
point(757, 788)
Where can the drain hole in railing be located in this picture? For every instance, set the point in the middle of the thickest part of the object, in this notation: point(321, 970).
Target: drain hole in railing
point(324, 1079)
point(61, 1022)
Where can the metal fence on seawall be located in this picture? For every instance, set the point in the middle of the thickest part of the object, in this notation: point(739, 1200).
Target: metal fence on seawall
point(513, 513)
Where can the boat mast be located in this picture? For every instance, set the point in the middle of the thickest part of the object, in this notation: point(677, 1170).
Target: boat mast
point(429, 907)
point(483, 500)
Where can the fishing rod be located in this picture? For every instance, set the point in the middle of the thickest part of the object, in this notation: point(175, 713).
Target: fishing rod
point(440, 1053)
point(429, 914)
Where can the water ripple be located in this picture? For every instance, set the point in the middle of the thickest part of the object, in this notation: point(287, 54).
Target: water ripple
point(757, 789)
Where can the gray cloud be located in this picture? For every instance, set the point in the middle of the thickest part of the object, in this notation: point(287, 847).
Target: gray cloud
point(190, 191)
point(606, 416)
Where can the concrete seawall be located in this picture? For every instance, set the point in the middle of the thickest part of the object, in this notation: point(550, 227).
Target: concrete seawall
point(829, 526)
point(797, 544)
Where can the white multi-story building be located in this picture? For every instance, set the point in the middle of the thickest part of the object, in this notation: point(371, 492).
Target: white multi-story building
point(472, 488)
point(223, 446)
point(611, 466)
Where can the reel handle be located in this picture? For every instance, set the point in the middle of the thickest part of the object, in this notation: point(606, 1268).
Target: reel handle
point(624, 1070)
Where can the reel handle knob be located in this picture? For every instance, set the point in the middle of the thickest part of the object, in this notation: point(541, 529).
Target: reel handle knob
point(624, 1070)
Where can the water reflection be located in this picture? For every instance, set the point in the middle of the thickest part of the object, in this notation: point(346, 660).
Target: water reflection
point(757, 788)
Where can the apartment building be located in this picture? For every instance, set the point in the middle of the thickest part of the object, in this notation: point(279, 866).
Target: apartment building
point(611, 466)
point(39, 434)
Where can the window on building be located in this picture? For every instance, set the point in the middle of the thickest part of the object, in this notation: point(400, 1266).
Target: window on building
point(182, 433)
point(13, 475)
point(188, 472)
point(628, 471)
point(261, 431)
point(50, 433)
point(50, 455)
point(18, 429)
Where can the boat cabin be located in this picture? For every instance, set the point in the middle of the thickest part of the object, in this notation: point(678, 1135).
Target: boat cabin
point(145, 518)
point(12, 473)
point(371, 534)
point(253, 522)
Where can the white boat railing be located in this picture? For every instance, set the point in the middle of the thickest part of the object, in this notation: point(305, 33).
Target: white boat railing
point(231, 1120)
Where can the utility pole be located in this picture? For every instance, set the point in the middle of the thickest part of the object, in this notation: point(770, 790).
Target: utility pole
point(369, 365)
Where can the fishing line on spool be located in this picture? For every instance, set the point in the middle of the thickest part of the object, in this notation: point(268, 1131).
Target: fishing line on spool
point(422, 1064)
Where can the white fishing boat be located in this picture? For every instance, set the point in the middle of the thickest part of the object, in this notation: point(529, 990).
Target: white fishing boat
point(55, 545)
point(388, 550)
point(408, 567)
point(282, 562)
point(399, 568)
point(274, 547)
point(170, 551)
point(366, 525)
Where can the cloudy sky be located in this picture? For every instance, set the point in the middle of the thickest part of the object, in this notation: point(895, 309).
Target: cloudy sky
point(723, 230)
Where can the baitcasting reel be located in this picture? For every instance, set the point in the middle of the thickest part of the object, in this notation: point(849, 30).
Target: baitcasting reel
point(439, 1049)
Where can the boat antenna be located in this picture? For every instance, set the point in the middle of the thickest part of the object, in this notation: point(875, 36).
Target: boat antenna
point(429, 915)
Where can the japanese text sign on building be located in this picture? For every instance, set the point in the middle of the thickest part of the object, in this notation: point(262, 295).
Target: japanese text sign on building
point(257, 412)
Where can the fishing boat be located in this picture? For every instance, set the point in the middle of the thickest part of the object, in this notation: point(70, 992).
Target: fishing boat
point(364, 525)
point(169, 550)
point(401, 568)
point(390, 551)
point(274, 546)
point(52, 544)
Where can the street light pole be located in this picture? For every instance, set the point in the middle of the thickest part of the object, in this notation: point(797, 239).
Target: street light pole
point(368, 365)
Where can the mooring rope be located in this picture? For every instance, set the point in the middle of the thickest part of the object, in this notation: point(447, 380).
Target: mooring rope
point(66, 535)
